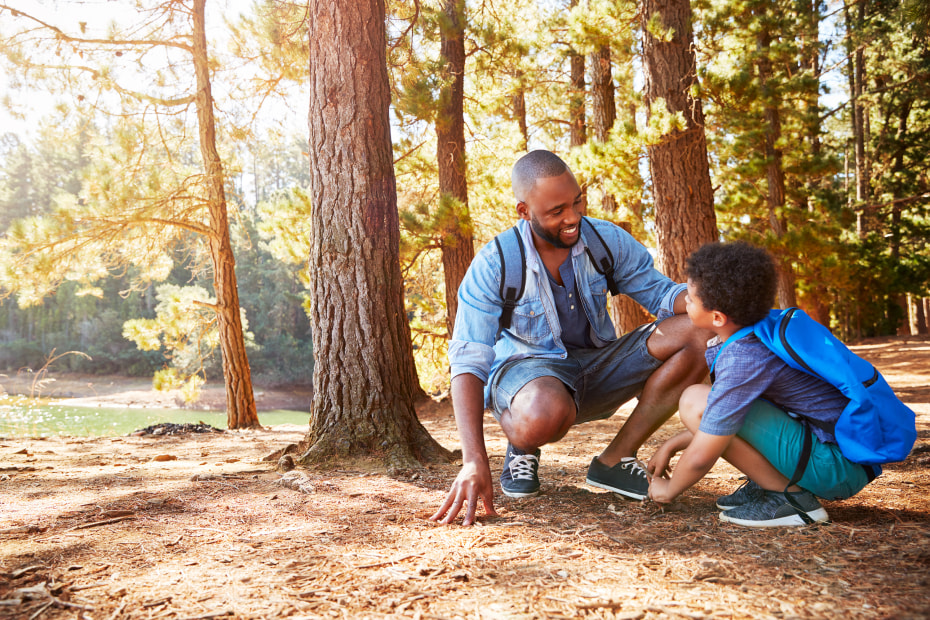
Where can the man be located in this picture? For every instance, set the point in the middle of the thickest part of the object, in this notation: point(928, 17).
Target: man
point(559, 363)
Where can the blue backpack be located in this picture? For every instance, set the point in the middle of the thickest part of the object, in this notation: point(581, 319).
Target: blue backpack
point(875, 427)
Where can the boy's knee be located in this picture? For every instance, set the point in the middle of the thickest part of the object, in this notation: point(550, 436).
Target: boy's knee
point(692, 404)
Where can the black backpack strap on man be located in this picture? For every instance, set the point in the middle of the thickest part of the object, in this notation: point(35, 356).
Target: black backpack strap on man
point(513, 266)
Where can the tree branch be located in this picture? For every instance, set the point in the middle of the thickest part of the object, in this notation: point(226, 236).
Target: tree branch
point(61, 35)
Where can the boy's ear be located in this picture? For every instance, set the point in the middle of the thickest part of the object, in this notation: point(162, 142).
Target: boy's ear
point(719, 319)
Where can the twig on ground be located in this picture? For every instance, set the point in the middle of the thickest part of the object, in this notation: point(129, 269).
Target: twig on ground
point(99, 523)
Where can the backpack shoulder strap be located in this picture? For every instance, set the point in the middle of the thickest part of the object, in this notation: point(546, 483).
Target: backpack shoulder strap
point(600, 255)
point(745, 331)
point(513, 273)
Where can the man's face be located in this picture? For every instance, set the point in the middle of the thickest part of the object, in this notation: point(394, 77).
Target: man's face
point(554, 208)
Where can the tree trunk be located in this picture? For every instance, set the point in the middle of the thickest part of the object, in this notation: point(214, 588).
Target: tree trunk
point(858, 117)
point(625, 313)
point(364, 377)
point(457, 240)
point(684, 200)
point(603, 108)
point(237, 375)
point(576, 111)
point(519, 112)
point(775, 174)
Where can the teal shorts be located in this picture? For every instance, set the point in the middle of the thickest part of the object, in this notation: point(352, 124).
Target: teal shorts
point(779, 438)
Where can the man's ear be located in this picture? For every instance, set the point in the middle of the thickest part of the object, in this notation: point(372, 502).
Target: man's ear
point(523, 210)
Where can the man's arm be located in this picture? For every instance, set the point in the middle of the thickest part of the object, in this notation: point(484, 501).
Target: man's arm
point(474, 479)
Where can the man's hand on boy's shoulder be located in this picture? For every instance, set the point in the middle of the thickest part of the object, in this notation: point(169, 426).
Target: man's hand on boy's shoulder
point(472, 483)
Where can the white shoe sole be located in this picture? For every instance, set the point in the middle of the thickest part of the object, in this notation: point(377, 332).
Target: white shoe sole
point(517, 495)
point(818, 516)
point(629, 494)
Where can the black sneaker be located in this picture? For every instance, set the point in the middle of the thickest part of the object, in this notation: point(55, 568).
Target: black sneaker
point(520, 477)
point(748, 492)
point(628, 477)
point(773, 510)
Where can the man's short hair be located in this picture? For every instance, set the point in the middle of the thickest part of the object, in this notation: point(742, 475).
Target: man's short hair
point(737, 279)
point(539, 164)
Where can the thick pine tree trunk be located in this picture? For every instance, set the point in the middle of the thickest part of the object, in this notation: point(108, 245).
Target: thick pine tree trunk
point(457, 241)
point(364, 377)
point(684, 200)
point(237, 375)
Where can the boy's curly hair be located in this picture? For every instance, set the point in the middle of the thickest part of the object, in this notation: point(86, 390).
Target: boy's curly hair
point(735, 278)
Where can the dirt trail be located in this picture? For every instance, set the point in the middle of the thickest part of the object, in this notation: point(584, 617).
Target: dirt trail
point(197, 526)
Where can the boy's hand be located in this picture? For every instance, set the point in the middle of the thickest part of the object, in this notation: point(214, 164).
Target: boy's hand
point(658, 491)
point(658, 466)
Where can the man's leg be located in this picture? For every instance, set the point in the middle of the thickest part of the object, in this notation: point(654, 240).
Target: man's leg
point(680, 347)
point(540, 413)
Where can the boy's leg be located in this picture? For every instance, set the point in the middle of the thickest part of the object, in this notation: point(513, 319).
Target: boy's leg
point(768, 446)
point(739, 453)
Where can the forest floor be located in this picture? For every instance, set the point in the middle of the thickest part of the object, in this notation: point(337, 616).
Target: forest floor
point(197, 526)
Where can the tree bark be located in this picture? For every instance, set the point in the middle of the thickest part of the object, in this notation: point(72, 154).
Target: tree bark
point(237, 375)
point(775, 173)
point(603, 107)
point(858, 117)
point(519, 112)
point(576, 97)
point(625, 313)
point(578, 133)
point(457, 239)
point(364, 377)
point(684, 200)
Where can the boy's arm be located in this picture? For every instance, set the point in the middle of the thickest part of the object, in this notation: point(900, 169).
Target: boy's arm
point(659, 463)
point(695, 462)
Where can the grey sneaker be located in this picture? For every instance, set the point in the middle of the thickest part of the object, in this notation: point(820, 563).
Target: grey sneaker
point(748, 492)
point(773, 510)
point(520, 477)
point(628, 478)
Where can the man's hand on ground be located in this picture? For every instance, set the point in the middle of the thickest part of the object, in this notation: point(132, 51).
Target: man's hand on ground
point(472, 483)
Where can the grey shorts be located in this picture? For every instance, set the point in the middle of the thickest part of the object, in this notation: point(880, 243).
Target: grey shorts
point(600, 380)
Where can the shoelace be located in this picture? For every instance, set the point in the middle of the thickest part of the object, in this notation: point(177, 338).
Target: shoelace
point(636, 467)
point(522, 466)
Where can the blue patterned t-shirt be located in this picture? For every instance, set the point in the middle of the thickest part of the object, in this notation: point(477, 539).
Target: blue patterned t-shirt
point(746, 371)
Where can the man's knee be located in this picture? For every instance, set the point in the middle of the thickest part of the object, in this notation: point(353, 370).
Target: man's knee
point(542, 411)
point(692, 404)
point(678, 334)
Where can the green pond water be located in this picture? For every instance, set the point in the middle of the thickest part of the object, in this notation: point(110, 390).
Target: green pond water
point(24, 417)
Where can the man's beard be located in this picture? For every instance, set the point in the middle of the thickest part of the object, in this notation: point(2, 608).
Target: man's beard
point(546, 235)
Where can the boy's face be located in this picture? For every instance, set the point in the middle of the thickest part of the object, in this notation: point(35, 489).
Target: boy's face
point(699, 315)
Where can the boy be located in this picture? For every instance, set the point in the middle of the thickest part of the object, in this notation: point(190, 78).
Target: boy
point(756, 414)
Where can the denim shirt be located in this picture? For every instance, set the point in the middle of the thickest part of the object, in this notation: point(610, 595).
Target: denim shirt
point(534, 329)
